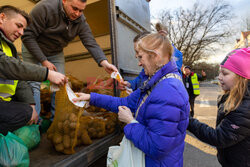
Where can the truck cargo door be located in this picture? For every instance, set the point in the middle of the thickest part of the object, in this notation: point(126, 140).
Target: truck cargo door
point(128, 18)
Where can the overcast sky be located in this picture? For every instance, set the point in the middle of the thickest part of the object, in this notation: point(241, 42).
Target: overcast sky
point(241, 8)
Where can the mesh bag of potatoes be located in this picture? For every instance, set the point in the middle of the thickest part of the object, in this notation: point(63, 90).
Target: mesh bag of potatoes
point(91, 127)
point(76, 84)
point(63, 131)
point(95, 126)
point(97, 122)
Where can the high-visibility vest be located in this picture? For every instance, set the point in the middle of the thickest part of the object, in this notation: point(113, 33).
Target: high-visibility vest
point(195, 83)
point(7, 87)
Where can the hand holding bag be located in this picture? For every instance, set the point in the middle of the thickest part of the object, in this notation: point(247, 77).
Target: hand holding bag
point(125, 155)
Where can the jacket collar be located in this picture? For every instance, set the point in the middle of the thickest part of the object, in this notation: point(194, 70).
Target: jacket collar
point(2, 35)
point(170, 67)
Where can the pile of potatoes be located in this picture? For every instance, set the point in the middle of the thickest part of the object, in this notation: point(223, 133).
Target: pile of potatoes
point(93, 127)
point(64, 132)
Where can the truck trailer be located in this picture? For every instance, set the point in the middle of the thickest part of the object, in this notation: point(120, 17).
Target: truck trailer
point(114, 24)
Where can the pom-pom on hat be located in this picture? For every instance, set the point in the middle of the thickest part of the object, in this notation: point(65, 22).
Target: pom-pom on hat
point(238, 61)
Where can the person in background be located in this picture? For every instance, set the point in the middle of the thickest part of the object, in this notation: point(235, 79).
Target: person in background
point(16, 100)
point(136, 83)
point(55, 24)
point(191, 82)
point(231, 136)
point(156, 115)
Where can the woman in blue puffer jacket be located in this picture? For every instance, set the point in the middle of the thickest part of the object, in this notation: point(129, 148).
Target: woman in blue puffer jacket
point(159, 129)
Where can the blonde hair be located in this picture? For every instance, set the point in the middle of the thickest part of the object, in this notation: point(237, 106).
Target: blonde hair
point(236, 94)
point(153, 41)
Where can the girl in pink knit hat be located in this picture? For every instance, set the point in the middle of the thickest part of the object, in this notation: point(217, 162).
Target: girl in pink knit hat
point(231, 136)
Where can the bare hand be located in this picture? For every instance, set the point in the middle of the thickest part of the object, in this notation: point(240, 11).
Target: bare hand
point(124, 84)
point(34, 117)
point(125, 114)
point(109, 68)
point(82, 97)
point(49, 65)
point(203, 73)
point(57, 78)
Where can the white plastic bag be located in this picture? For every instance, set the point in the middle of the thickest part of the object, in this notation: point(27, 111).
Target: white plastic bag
point(125, 155)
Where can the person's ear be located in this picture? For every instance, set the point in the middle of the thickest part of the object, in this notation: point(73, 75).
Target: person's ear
point(63, 1)
point(2, 18)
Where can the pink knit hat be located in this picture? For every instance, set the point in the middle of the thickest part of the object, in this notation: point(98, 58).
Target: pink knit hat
point(238, 61)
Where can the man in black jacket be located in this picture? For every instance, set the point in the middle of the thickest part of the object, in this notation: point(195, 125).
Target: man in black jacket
point(191, 82)
point(16, 99)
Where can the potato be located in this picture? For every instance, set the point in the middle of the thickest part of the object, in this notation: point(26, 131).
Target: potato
point(68, 151)
point(64, 117)
point(66, 141)
point(110, 130)
point(92, 132)
point(57, 138)
point(72, 125)
point(66, 128)
point(85, 138)
point(59, 147)
point(100, 134)
point(60, 126)
point(72, 117)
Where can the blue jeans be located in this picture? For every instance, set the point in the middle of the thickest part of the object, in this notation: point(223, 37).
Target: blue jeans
point(58, 61)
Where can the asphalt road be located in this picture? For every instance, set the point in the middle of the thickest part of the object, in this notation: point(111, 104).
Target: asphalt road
point(197, 153)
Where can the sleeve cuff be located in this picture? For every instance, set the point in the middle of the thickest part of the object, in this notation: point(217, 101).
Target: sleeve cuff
point(134, 121)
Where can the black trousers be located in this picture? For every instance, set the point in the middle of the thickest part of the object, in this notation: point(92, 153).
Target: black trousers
point(191, 102)
point(13, 115)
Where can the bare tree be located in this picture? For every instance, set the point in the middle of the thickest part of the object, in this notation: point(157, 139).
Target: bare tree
point(196, 31)
point(246, 23)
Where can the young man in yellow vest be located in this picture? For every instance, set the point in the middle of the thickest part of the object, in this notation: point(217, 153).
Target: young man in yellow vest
point(191, 82)
point(16, 99)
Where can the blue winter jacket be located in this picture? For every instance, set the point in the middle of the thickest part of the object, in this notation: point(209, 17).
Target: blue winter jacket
point(163, 118)
point(177, 55)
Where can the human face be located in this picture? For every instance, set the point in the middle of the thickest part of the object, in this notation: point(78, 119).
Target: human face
point(227, 79)
point(73, 8)
point(187, 71)
point(146, 61)
point(12, 26)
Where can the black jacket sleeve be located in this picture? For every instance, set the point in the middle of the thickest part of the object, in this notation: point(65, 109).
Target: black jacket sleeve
point(231, 130)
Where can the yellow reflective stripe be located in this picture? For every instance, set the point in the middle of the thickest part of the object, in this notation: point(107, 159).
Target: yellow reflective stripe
point(6, 49)
point(7, 87)
point(5, 96)
point(195, 83)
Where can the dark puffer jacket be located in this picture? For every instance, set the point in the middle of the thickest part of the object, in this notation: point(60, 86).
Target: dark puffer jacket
point(232, 133)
